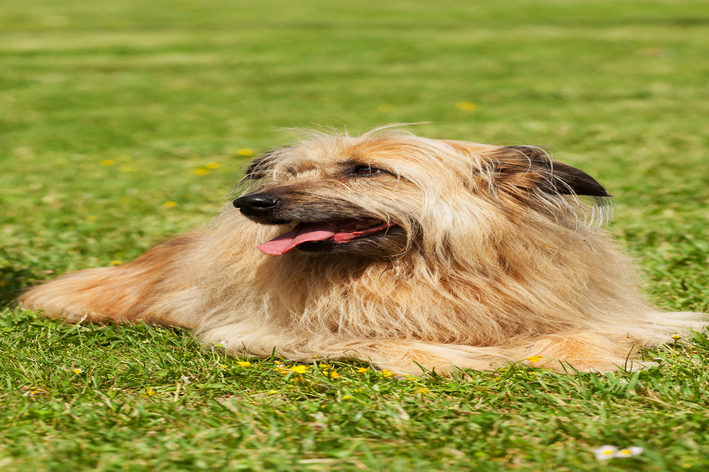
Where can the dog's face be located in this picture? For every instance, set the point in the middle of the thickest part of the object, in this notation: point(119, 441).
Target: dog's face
point(380, 194)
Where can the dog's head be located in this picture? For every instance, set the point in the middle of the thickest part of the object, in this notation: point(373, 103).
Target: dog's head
point(383, 193)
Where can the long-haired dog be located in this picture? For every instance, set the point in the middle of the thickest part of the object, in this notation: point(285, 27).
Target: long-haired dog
point(402, 251)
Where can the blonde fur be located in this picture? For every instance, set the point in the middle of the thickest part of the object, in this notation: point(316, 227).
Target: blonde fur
point(493, 260)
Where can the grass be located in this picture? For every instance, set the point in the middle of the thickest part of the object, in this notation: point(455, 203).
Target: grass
point(122, 123)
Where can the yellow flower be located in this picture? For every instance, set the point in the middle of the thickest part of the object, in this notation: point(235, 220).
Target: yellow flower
point(346, 397)
point(77, 371)
point(676, 336)
point(423, 390)
point(108, 162)
point(325, 366)
point(115, 263)
point(466, 106)
point(272, 392)
point(334, 374)
point(212, 165)
point(244, 364)
point(221, 366)
point(535, 359)
point(170, 204)
point(245, 152)
point(299, 369)
point(362, 370)
point(200, 171)
point(410, 378)
point(315, 356)
point(149, 392)
point(388, 373)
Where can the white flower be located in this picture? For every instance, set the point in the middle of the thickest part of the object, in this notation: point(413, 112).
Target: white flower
point(607, 451)
point(185, 380)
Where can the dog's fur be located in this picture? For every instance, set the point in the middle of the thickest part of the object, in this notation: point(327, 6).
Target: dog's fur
point(491, 259)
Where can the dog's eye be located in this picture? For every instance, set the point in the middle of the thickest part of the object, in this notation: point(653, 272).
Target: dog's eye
point(366, 170)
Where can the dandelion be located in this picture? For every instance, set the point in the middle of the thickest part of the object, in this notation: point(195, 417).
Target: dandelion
point(115, 263)
point(334, 374)
point(388, 373)
point(108, 162)
point(410, 378)
point(362, 370)
point(77, 371)
point(149, 392)
point(423, 390)
point(200, 171)
point(386, 108)
point(299, 369)
point(676, 337)
point(244, 364)
point(346, 397)
point(212, 165)
point(535, 359)
point(170, 204)
point(245, 152)
point(325, 366)
point(607, 451)
point(272, 392)
point(466, 106)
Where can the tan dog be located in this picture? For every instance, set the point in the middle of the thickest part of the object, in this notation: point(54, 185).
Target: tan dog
point(397, 250)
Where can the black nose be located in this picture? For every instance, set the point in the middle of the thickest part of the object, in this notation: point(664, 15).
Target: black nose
point(257, 204)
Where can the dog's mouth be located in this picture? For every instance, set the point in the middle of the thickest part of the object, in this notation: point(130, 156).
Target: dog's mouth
point(312, 236)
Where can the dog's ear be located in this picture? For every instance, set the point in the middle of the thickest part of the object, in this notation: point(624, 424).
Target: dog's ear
point(531, 168)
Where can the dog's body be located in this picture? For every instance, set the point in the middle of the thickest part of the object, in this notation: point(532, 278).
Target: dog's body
point(394, 249)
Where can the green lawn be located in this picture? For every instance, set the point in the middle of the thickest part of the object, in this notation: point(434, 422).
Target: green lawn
point(124, 122)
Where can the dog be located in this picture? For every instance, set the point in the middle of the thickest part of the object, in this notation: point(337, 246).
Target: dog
point(410, 253)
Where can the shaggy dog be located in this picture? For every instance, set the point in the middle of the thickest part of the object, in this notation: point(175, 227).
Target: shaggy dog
point(402, 251)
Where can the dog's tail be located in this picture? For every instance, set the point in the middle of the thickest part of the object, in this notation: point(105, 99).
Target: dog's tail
point(119, 294)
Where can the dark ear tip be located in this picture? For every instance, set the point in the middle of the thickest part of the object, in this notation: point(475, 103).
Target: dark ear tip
point(560, 178)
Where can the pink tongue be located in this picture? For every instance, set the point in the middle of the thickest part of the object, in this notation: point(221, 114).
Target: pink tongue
point(302, 233)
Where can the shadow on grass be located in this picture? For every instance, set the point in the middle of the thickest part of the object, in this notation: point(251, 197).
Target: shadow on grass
point(12, 283)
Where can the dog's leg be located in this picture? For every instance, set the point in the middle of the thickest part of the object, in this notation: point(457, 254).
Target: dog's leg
point(125, 293)
point(583, 351)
